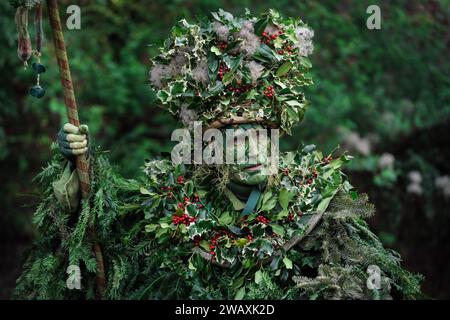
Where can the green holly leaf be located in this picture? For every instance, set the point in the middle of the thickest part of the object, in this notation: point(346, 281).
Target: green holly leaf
point(279, 230)
point(204, 244)
point(227, 78)
point(287, 262)
point(226, 218)
point(305, 62)
point(285, 197)
point(283, 69)
point(260, 25)
point(189, 188)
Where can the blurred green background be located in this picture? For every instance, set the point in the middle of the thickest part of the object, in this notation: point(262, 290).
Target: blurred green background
point(384, 95)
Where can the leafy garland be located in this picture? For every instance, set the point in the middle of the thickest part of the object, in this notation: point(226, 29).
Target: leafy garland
point(252, 67)
point(181, 210)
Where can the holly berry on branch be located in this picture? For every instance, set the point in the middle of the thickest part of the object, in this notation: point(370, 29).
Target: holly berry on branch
point(269, 92)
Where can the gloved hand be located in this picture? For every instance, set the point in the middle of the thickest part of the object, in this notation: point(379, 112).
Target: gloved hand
point(73, 141)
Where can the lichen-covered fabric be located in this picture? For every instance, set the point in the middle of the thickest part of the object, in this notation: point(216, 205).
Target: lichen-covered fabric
point(146, 260)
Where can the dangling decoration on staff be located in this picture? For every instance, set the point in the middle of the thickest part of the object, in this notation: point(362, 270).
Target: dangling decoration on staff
point(24, 49)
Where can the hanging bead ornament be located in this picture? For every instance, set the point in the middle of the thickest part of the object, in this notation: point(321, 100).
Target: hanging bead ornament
point(24, 49)
point(37, 91)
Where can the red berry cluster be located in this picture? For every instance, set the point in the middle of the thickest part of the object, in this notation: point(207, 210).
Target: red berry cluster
point(262, 219)
point(250, 237)
point(314, 174)
point(287, 49)
point(180, 180)
point(183, 219)
point(312, 177)
point(215, 239)
point(187, 201)
point(267, 38)
point(286, 171)
point(222, 70)
point(269, 92)
point(223, 45)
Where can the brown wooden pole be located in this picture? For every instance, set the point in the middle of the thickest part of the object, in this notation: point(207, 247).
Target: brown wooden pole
point(72, 113)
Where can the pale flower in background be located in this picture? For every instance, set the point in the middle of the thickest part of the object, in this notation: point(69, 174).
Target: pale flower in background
point(386, 161)
point(415, 183)
point(443, 183)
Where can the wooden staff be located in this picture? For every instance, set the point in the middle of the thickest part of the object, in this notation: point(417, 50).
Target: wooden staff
point(72, 113)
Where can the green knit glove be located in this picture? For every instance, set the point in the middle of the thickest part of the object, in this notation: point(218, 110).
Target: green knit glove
point(73, 141)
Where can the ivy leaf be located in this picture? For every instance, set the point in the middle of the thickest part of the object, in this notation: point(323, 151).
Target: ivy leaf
point(191, 265)
point(287, 262)
point(238, 282)
point(283, 69)
point(151, 227)
point(240, 294)
point(145, 191)
point(258, 276)
point(216, 51)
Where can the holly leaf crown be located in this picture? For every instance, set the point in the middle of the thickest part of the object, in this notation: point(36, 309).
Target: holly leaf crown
point(235, 70)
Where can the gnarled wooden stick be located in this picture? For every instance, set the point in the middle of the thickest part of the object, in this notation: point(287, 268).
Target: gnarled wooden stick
point(72, 113)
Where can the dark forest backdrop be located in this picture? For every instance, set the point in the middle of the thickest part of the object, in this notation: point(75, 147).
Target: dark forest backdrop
point(384, 95)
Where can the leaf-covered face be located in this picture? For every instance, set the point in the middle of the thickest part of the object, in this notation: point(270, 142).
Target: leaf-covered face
point(251, 167)
point(247, 66)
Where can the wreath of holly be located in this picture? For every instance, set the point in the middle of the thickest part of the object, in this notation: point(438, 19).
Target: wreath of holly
point(255, 67)
point(179, 210)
